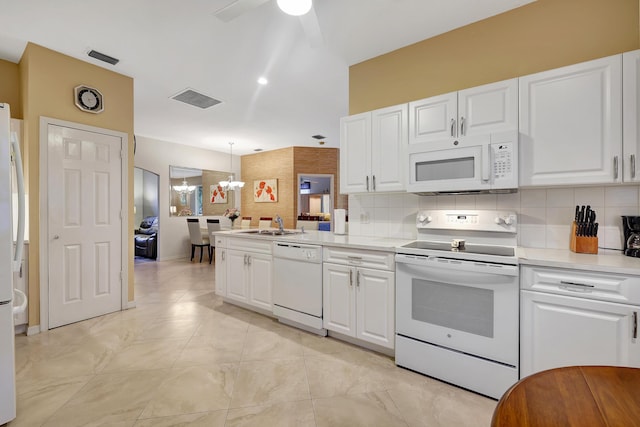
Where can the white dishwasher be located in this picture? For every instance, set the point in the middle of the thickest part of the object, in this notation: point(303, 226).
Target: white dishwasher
point(297, 285)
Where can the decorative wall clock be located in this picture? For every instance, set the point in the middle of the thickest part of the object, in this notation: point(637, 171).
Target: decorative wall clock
point(88, 99)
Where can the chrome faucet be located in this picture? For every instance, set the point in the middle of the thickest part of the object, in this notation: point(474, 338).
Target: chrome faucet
point(280, 223)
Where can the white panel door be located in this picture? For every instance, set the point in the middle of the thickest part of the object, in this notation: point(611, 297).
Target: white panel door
point(237, 275)
point(631, 116)
point(260, 280)
point(571, 124)
point(355, 154)
point(388, 147)
point(488, 108)
point(376, 306)
point(85, 225)
point(339, 305)
point(433, 119)
point(561, 331)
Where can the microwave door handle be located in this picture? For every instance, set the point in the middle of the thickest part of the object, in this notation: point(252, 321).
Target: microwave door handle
point(486, 162)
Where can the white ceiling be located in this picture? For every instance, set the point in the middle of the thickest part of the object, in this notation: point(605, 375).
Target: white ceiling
point(170, 45)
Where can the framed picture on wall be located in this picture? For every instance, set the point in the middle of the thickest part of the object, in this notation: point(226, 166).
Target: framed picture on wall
point(218, 195)
point(265, 190)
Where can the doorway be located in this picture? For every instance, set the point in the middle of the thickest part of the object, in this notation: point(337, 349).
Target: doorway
point(315, 195)
point(146, 211)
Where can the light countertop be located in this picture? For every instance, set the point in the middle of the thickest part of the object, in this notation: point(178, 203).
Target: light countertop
point(605, 261)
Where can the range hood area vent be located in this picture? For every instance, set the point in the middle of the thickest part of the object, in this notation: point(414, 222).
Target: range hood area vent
point(191, 97)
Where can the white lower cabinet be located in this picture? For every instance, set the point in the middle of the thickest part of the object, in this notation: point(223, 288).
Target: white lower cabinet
point(359, 302)
point(569, 318)
point(249, 272)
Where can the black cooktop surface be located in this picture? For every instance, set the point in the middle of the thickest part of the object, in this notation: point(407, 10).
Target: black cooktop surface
point(467, 248)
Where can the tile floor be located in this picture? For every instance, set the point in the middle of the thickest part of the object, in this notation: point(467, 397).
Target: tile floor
point(183, 357)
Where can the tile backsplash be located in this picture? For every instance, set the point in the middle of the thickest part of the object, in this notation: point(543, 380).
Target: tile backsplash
point(544, 214)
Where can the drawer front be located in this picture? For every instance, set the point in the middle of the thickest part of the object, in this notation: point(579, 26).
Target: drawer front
point(359, 258)
point(250, 245)
point(599, 286)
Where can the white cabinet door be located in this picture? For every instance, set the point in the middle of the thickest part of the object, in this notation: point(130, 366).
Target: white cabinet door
point(237, 288)
point(489, 108)
point(259, 279)
point(433, 119)
point(339, 305)
point(562, 331)
point(631, 116)
point(355, 153)
point(571, 124)
point(376, 306)
point(388, 148)
point(480, 110)
point(221, 271)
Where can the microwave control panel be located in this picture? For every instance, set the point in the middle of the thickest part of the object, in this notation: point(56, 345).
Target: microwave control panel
point(503, 159)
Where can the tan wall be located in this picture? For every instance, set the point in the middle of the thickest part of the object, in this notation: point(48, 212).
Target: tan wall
point(542, 35)
point(276, 164)
point(47, 82)
point(10, 87)
point(285, 165)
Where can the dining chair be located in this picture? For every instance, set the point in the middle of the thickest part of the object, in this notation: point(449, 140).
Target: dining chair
point(212, 225)
point(265, 222)
point(307, 224)
point(246, 222)
point(197, 239)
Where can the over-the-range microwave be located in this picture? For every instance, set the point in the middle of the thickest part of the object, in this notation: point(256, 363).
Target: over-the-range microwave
point(476, 164)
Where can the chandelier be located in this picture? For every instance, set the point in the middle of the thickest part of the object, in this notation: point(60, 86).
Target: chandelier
point(231, 183)
point(184, 188)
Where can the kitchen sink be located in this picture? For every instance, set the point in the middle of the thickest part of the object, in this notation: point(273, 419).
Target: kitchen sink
point(271, 232)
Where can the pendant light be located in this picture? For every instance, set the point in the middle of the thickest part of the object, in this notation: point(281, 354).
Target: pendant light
point(295, 7)
point(185, 188)
point(231, 183)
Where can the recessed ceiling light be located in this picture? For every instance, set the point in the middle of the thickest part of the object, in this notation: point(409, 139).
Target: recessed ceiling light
point(263, 81)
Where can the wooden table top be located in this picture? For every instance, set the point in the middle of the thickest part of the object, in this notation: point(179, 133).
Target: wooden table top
point(581, 396)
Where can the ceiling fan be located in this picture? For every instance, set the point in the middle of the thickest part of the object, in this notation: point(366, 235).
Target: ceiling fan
point(308, 20)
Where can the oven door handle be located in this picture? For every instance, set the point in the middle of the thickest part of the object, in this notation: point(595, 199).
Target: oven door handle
point(447, 270)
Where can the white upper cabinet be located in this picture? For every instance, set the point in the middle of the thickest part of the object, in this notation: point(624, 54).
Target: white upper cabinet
point(372, 150)
point(571, 124)
point(631, 115)
point(454, 116)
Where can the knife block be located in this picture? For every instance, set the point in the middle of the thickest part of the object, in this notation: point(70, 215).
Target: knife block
point(582, 244)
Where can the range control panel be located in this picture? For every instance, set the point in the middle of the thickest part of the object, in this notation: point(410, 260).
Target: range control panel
point(477, 220)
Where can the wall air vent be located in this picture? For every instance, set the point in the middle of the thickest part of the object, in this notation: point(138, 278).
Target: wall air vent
point(191, 97)
point(102, 57)
point(318, 136)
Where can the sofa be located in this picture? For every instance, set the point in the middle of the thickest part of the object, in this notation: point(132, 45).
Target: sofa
point(146, 238)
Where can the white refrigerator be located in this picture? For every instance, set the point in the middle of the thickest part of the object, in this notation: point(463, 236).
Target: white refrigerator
point(11, 300)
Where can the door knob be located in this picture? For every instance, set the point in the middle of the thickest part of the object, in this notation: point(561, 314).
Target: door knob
point(56, 237)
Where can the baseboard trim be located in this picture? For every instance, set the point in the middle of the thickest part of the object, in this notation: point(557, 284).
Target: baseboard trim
point(130, 305)
point(33, 330)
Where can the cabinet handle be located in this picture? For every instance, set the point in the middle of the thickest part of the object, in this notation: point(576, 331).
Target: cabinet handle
point(245, 259)
point(453, 126)
point(248, 259)
point(367, 182)
point(351, 278)
point(358, 279)
point(374, 183)
point(222, 255)
point(21, 265)
point(461, 126)
point(582, 287)
point(632, 159)
point(615, 167)
point(635, 324)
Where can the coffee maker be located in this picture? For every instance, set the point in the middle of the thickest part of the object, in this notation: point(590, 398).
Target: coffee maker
point(631, 230)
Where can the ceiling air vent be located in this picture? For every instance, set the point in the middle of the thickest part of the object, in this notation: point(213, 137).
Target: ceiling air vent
point(191, 97)
point(102, 57)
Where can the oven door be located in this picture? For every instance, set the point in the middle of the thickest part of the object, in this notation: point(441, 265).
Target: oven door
point(467, 306)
